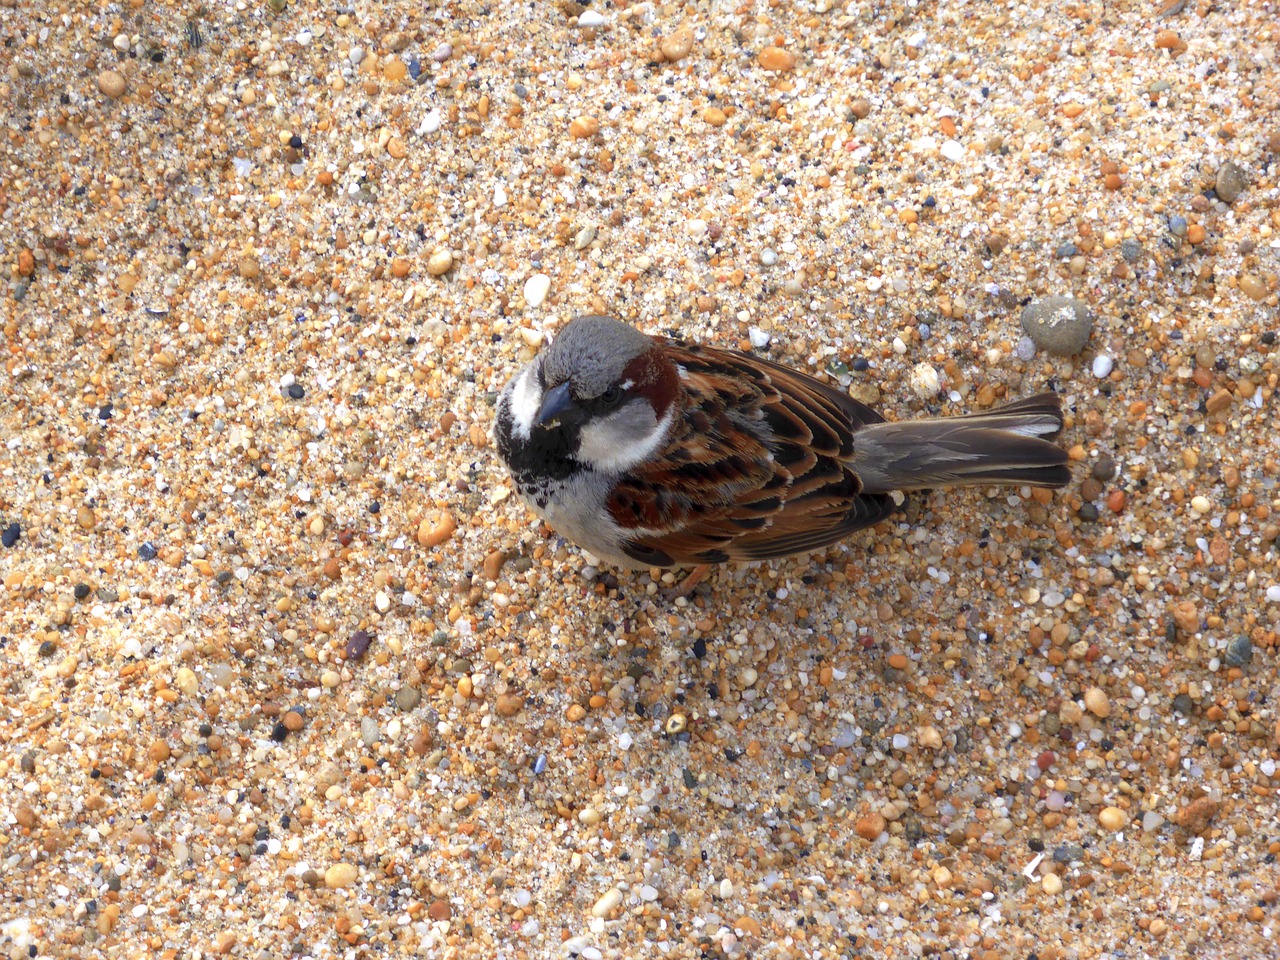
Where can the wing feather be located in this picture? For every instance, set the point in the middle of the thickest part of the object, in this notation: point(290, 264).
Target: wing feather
point(755, 468)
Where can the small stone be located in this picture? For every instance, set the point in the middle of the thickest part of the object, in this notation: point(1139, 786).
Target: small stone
point(924, 381)
point(607, 903)
point(1197, 815)
point(249, 268)
point(1252, 286)
point(590, 18)
point(509, 704)
point(1183, 704)
point(407, 698)
point(11, 534)
point(1102, 366)
point(1060, 325)
point(582, 127)
point(1178, 225)
point(1051, 883)
point(340, 875)
point(777, 60)
point(1151, 821)
point(440, 261)
point(870, 826)
point(677, 45)
point(1239, 652)
point(952, 150)
point(536, 289)
point(111, 84)
point(860, 108)
point(1096, 702)
point(583, 238)
point(1130, 250)
point(1230, 182)
point(1112, 819)
point(147, 552)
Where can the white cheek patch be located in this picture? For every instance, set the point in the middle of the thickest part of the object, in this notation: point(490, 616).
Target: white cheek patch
point(616, 443)
point(526, 398)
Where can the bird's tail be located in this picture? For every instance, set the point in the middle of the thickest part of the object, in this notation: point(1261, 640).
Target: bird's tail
point(1009, 445)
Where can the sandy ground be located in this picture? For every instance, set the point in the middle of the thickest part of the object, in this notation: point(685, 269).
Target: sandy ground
point(288, 670)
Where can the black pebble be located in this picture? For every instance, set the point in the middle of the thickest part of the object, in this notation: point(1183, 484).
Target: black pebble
point(11, 534)
point(82, 591)
point(147, 552)
point(279, 732)
point(296, 391)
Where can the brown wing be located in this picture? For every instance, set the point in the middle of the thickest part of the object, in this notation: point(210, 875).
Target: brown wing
point(755, 468)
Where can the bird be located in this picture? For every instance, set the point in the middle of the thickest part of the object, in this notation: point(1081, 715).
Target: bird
point(655, 451)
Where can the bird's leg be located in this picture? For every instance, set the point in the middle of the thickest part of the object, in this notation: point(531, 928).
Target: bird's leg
point(691, 580)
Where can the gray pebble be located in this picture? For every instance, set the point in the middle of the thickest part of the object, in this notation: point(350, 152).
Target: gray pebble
point(1068, 852)
point(407, 698)
point(1159, 87)
point(1131, 250)
point(1178, 226)
point(1231, 182)
point(1182, 704)
point(1060, 325)
point(1066, 250)
point(1239, 652)
point(1026, 348)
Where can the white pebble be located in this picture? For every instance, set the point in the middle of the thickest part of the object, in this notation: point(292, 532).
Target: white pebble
point(726, 888)
point(901, 741)
point(953, 150)
point(924, 381)
point(609, 902)
point(1273, 593)
point(591, 18)
point(356, 54)
point(648, 894)
point(1201, 505)
point(536, 289)
point(1102, 365)
point(430, 123)
point(696, 228)
point(499, 196)
point(759, 338)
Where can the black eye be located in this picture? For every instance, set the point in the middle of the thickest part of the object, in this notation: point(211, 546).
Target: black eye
point(611, 395)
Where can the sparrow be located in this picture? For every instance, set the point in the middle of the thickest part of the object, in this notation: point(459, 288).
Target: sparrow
point(651, 451)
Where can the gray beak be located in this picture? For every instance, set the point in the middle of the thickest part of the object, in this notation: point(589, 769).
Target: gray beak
point(554, 401)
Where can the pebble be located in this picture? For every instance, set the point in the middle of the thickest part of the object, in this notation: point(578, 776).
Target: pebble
point(1231, 182)
point(759, 338)
point(536, 289)
point(408, 698)
point(677, 45)
point(112, 84)
point(340, 875)
point(1102, 366)
point(1051, 883)
point(1130, 250)
point(1273, 593)
point(609, 902)
point(11, 534)
point(777, 60)
point(1178, 226)
point(870, 826)
point(591, 18)
point(440, 261)
point(442, 52)
point(1060, 325)
point(952, 150)
point(1096, 702)
point(1239, 652)
point(1112, 819)
point(924, 381)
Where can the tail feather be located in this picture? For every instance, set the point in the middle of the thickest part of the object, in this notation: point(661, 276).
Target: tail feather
point(1008, 446)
